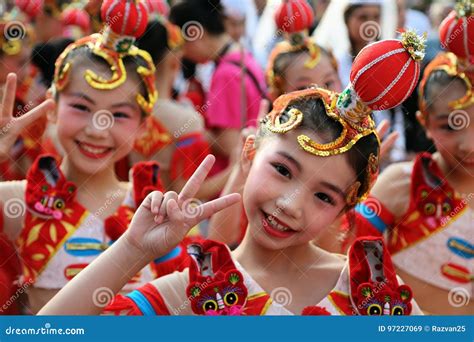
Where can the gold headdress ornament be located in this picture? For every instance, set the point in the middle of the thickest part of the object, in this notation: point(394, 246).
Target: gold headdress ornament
point(394, 64)
point(124, 21)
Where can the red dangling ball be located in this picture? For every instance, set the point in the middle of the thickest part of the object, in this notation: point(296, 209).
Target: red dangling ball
point(30, 7)
point(159, 7)
point(385, 73)
point(294, 16)
point(125, 17)
point(76, 17)
point(456, 32)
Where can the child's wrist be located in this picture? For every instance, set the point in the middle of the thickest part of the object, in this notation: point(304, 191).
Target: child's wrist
point(134, 250)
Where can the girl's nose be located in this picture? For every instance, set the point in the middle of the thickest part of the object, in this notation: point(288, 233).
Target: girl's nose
point(290, 204)
point(100, 124)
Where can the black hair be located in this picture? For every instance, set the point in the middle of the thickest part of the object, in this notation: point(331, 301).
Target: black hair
point(154, 41)
point(315, 119)
point(437, 80)
point(208, 13)
point(45, 54)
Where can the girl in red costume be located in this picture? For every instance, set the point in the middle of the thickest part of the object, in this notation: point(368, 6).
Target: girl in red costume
point(315, 156)
point(68, 212)
point(424, 208)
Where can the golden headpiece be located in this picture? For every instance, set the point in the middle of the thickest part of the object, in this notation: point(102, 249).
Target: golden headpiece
point(124, 21)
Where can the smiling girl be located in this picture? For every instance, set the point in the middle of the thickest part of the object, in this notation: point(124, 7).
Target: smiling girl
point(72, 209)
point(314, 157)
point(424, 208)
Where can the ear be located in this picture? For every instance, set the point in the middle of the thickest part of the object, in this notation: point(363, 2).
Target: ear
point(423, 122)
point(248, 153)
point(142, 127)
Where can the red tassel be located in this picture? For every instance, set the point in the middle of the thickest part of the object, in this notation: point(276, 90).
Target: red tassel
point(191, 149)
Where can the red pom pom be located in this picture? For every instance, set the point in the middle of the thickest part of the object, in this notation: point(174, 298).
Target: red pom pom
point(294, 16)
point(76, 17)
point(456, 34)
point(125, 17)
point(384, 74)
point(30, 7)
point(315, 311)
point(157, 7)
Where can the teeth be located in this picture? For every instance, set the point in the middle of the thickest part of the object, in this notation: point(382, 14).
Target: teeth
point(276, 225)
point(93, 149)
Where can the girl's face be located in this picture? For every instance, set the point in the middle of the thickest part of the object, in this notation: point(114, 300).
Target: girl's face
point(452, 131)
point(298, 77)
point(95, 127)
point(290, 195)
point(360, 16)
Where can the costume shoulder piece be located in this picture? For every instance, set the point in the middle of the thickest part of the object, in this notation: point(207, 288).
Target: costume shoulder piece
point(215, 287)
point(368, 285)
point(52, 215)
point(433, 202)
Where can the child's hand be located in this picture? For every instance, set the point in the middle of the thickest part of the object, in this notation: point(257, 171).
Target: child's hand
point(10, 127)
point(387, 142)
point(163, 220)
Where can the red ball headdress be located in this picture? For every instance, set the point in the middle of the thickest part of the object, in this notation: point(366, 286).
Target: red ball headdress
point(456, 34)
point(293, 19)
point(30, 7)
point(157, 7)
point(76, 16)
point(125, 20)
point(383, 75)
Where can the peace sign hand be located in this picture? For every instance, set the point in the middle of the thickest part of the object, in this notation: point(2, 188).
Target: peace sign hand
point(10, 127)
point(163, 220)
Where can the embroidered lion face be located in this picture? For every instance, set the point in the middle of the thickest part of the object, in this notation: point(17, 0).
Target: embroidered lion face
point(382, 300)
point(48, 192)
point(219, 296)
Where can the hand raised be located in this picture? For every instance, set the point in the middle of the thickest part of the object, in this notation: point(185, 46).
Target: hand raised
point(10, 127)
point(163, 220)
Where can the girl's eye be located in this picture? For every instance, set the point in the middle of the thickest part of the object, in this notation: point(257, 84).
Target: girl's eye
point(324, 197)
point(447, 128)
point(80, 107)
point(282, 170)
point(121, 115)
